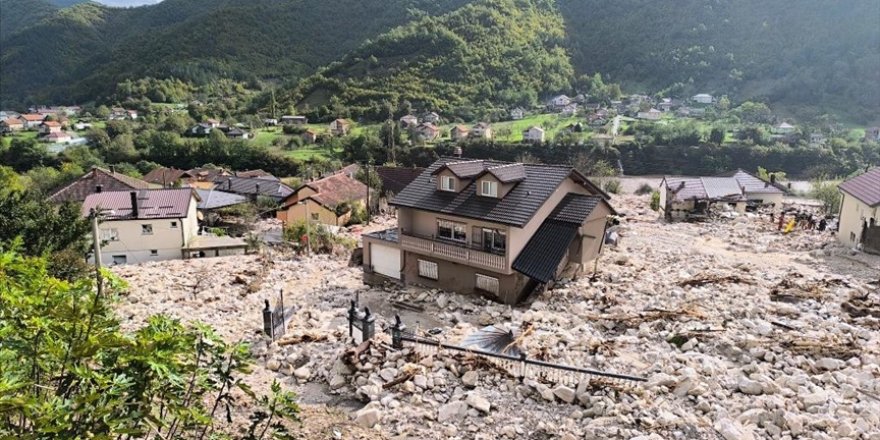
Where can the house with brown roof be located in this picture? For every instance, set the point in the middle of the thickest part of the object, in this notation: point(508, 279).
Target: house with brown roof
point(329, 201)
point(310, 136)
point(32, 120)
point(427, 131)
point(504, 230)
point(95, 181)
point(49, 127)
point(459, 133)
point(11, 124)
point(152, 225)
point(481, 130)
point(860, 211)
point(340, 127)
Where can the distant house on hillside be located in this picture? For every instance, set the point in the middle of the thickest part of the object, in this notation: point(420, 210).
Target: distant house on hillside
point(237, 133)
point(201, 129)
point(431, 117)
point(872, 134)
point(459, 132)
point(517, 114)
point(481, 130)
point(570, 110)
point(270, 122)
point(10, 125)
point(340, 127)
point(329, 201)
point(32, 120)
point(651, 115)
point(533, 134)
point(58, 137)
point(427, 131)
point(860, 211)
point(119, 113)
point(703, 98)
point(294, 120)
point(254, 187)
point(409, 121)
point(310, 136)
point(559, 102)
point(783, 128)
point(49, 127)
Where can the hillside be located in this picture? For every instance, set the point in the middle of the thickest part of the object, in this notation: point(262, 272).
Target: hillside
point(16, 15)
point(809, 55)
point(491, 52)
point(196, 40)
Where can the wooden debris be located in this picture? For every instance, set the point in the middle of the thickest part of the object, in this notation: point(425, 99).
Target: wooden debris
point(704, 279)
point(397, 380)
point(299, 339)
point(406, 306)
point(352, 356)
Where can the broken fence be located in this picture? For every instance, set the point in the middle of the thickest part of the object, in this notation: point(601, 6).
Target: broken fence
point(521, 367)
point(275, 319)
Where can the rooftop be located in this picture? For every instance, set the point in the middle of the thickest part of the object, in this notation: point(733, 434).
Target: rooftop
point(89, 183)
point(865, 187)
point(151, 204)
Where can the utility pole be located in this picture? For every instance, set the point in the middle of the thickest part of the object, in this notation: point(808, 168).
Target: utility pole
point(369, 189)
point(308, 229)
point(97, 245)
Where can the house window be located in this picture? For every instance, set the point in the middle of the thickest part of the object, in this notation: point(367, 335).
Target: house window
point(119, 259)
point(315, 216)
point(447, 183)
point(173, 225)
point(488, 188)
point(487, 284)
point(146, 229)
point(110, 234)
point(494, 240)
point(451, 230)
point(852, 236)
point(428, 269)
point(154, 252)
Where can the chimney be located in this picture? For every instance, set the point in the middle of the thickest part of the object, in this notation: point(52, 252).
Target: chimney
point(773, 178)
point(134, 203)
point(457, 152)
point(99, 188)
point(229, 184)
point(112, 169)
point(257, 188)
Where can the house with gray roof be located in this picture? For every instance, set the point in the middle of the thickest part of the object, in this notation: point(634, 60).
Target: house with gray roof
point(690, 198)
point(860, 211)
point(504, 230)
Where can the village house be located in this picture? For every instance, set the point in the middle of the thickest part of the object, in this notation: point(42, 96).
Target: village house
point(58, 137)
point(119, 113)
point(10, 125)
point(783, 128)
point(459, 133)
point(340, 127)
point(202, 129)
point(559, 102)
point(49, 127)
point(817, 139)
point(95, 181)
point(32, 120)
point(872, 134)
point(427, 131)
point(756, 191)
point(254, 187)
point(153, 225)
point(196, 177)
point(481, 130)
point(703, 98)
point(860, 211)
point(214, 199)
point(687, 198)
point(665, 105)
point(651, 115)
point(294, 120)
point(517, 114)
point(394, 180)
point(310, 136)
point(431, 117)
point(237, 133)
point(533, 134)
point(409, 121)
point(505, 230)
point(329, 201)
point(570, 110)
point(270, 122)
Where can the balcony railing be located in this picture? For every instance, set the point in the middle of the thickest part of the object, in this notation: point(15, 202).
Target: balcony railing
point(457, 253)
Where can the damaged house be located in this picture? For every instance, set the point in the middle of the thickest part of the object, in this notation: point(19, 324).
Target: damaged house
point(500, 229)
point(693, 198)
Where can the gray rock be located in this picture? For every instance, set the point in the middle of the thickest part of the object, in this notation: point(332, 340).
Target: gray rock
point(452, 411)
point(368, 417)
point(814, 399)
point(830, 364)
point(733, 430)
point(748, 386)
point(273, 364)
point(420, 381)
point(478, 402)
point(302, 373)
point(470, 378)
point(337, 382)
point(564, 393)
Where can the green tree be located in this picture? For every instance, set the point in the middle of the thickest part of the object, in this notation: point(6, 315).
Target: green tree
point(43, 227)
point(716, 136)
point(826, 191)
point(24, 154)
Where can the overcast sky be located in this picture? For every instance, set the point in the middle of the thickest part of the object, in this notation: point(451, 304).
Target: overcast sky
point(126, 3)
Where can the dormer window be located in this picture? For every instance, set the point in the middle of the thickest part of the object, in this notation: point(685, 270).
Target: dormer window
point(488, 188)
point(447, 183)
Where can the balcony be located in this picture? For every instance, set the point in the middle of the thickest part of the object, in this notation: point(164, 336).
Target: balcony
point(458, 253)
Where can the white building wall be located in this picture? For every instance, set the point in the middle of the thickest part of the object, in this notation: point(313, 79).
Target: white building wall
point(853, 214)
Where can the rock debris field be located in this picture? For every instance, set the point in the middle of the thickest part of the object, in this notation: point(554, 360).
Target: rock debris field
point(741, 333)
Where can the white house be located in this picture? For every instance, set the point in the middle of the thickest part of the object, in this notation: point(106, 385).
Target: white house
point(153, 225)
point(431, 117)
point(651, 115)
point(409, 121)
point(481, 131)
point(783, 128)
point(517, 114)
point(860, 211)
point(703, 98)
point(560, 101)
point(533, 134)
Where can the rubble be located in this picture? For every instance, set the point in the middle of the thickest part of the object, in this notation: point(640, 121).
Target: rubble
point(689, 306)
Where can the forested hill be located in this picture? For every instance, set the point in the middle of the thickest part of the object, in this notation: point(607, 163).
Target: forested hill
point(491, 52)
point(810, 56)
point(802, 54)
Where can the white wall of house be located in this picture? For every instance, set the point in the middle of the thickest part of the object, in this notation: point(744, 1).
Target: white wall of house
point(168, 238)
point(853, 214)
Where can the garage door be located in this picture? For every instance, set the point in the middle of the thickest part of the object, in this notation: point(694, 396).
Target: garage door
point(385, 260)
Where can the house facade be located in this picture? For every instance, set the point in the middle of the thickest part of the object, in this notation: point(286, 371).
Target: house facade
point(427, 131)
point(459, 133)
point(294, 120)
point(11, 125)
point(651, 115)
point(409, 121)
point(685, 198)
point(504, 230)
point(860, 211)
point(702, 98)
point(329, 201)
point(533, 134)
point(559, 101)
point(32, 120)
point(340, 127)
point(517, 114)
point(481, 130)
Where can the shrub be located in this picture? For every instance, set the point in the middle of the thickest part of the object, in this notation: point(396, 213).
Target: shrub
point(611, 186)
point(644, 189)
point(301, 233)
point(826, 192)
point(655, 200)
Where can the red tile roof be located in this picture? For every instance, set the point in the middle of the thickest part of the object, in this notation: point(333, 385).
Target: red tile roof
point(33, 117)
point(51, 123)
point(151, 203)
point(865, 187)
point(334, 190)
point(165, 176)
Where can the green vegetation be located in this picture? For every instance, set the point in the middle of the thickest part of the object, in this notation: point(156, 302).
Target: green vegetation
point(67, 370)
point(826, 191)
point(300, 234)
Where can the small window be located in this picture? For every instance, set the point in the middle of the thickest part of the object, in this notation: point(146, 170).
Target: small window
point(315, 216)
point(173, 225)
point(119, 259)
point(147, 229)
point(110, 234)
point(852, 236)
point(154, 252)
point(487, 284)
point(494, 240)
point(447, 183)
point(451, 230)
point(428, 269)
point(488, 188)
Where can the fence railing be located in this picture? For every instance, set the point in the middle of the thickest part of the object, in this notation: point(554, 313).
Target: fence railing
point(275, 319)
point(453, 252)
point(521, 366)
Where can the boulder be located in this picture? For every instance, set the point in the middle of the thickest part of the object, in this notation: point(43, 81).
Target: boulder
point(478, 402)
point(733, 430)
point(748, 386)
point(368, 417)
point(452, 411)
point(470, 378)
point(564, 393)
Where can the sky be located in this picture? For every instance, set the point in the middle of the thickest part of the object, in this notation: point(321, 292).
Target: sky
point(127, 3)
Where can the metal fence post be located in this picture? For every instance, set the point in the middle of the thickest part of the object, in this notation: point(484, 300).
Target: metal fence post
point(352, 315)
point(268, 325)
point(522, 358)
point(368, 324)
point(397, 333)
